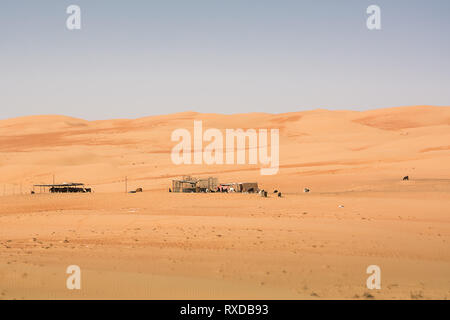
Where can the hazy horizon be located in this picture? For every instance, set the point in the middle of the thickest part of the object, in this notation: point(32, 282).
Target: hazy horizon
point(145, 58)
point(218, 113)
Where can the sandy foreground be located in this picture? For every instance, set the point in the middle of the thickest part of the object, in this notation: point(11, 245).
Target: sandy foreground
point(161, 245)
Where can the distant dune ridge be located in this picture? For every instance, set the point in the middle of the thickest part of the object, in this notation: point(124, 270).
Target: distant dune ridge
point(393, 141)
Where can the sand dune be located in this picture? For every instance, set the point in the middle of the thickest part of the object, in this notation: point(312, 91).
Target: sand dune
point(161, 245)
point(103, 152)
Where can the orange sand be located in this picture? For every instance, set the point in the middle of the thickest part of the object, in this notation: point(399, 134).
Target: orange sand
point(160, 245)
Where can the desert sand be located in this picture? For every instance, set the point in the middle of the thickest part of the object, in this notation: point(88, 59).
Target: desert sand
point(161, 245)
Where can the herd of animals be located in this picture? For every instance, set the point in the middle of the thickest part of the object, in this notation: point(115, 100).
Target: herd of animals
point(263, 193)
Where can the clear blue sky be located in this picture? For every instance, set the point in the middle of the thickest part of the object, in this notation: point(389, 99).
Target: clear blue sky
point(139, 58)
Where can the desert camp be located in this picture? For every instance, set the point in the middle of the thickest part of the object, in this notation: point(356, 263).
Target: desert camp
point(188, 184)
point(62, 188)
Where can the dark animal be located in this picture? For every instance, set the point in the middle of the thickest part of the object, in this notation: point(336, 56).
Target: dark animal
point(279, 194)
point(139, 190)
point(306, 190)
point(67, 190)
point(405, 178)
point(275, 191)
